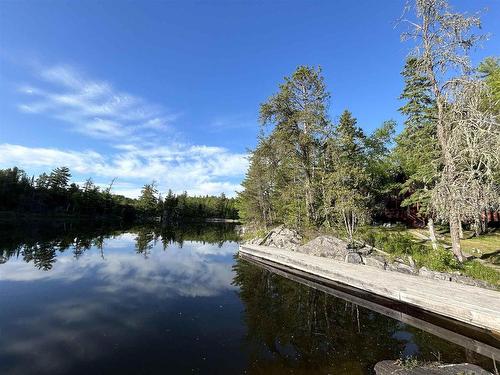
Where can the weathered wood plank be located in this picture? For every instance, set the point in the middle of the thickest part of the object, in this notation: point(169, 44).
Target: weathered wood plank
point(472, 305)
point(471, 338)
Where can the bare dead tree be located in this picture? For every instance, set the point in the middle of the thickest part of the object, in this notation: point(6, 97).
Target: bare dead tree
point(473, 145)
point(443, 40)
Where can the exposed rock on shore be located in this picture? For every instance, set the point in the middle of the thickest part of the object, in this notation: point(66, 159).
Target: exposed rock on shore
point(336, 248)
point(280, 237)
point(326, 246)
point(455, 277)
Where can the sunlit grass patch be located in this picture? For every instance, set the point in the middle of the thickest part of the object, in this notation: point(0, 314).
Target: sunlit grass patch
point(401, 242)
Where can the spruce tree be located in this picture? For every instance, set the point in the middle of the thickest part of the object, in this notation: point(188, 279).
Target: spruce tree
point(417, 150)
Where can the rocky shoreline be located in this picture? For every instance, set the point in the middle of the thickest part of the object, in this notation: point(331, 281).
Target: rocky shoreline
point(338, 249)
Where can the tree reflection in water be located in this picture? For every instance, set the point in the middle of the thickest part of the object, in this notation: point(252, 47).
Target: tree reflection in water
point(293, 326)
point(288, 327)
point(39, 243)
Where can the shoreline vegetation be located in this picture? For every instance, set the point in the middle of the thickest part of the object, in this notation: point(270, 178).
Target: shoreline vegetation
point(40, 242)
point(321, 176)
point(52, 195)
point(391, 249)
point(440, 176)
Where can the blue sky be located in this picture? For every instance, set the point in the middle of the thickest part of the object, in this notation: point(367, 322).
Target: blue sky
point(170, 91)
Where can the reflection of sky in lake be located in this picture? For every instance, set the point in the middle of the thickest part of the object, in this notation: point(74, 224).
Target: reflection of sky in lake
point(114, 300)
point(196, 269)
point(175, 310)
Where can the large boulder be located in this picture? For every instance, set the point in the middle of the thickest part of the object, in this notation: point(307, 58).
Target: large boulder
point(354, 258)
point(326, 246)
point(282, 238)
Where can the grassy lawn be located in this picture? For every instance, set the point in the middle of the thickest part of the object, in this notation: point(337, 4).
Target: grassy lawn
point(400, 241)
point(485, 244)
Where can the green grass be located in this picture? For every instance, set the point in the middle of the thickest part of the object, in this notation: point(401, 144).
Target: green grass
point(486, 243)
point(401, 242)
point(479, 271)
point(254, 233)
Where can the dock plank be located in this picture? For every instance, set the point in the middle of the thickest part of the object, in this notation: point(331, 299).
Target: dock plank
point(472, 305)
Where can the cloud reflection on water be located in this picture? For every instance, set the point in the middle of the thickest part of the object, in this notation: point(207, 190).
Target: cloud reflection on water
point(110, 297)
point(188, 271)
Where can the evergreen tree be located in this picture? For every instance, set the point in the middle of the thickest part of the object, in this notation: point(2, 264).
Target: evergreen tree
point(347, 193)
point(59, 178)
point(417, 149)
point(490, 71)
point(445, 39)
point(300, 123)
point(42, 181)
point(255, 201)
point(148, 201)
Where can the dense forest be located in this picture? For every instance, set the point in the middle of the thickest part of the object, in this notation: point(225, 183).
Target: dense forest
point(53, 194)
point(311, 171)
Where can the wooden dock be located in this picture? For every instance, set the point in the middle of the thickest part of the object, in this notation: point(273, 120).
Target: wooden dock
point(467, 305)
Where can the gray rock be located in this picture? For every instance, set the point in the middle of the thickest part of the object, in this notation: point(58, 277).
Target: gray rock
point(470, 281)
point(354, 258)
point(254, 241)
point(282, 237)
point(424, 272)
point(375, 261)
point(403, 268)
point(326, 246)
point(454, 277)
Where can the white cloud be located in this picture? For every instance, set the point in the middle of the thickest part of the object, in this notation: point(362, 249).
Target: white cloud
point(131, 126)
point(94, 108)
point(82, 162)
point(196, 169)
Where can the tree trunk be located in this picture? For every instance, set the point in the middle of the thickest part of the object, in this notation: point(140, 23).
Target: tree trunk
point(484, 221)
point(478, 226)
point(455, 237)
point(348, 227)
point(311, 217)
point(461, 230)
point(432, 233)
point(442, 133)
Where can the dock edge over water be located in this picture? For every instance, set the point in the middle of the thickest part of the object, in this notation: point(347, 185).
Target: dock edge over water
point(471, 305)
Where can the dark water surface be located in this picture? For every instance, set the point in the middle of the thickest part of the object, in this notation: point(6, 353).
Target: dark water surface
point(145, 300)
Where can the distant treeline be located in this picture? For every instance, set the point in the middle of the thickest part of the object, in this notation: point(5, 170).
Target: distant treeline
point(53, 194)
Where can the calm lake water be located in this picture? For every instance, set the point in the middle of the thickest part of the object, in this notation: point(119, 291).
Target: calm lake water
point(146, 300)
